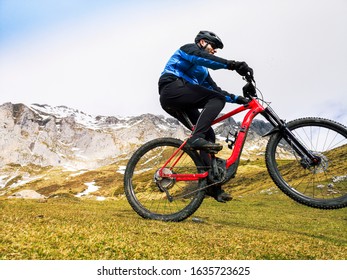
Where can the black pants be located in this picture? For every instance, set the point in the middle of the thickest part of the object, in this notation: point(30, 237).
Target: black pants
point(182, 96)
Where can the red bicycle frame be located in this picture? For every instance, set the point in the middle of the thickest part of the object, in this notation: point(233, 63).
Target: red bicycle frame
point(253, 107)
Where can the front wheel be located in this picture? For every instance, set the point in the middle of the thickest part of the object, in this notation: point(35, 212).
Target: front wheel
point(166, 199)
point(321, 186)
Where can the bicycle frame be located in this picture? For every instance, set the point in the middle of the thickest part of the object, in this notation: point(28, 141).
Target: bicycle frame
point(254, 108)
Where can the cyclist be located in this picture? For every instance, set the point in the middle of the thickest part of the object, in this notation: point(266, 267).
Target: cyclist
point(185, 85)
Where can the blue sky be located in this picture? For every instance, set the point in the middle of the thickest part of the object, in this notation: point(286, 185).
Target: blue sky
point(105, 57)
point(20, 17)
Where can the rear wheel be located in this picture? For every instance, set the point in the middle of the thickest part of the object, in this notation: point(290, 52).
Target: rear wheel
point(166, 199)
point(321, 186)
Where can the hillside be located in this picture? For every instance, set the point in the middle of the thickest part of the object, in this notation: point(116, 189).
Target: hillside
point(59, 150)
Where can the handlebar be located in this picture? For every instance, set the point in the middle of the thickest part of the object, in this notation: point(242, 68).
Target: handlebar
point(249, 90)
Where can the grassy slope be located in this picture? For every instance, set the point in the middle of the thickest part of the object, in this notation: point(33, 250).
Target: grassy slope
point(260, 223)
point(254, 227)
point(252, 177)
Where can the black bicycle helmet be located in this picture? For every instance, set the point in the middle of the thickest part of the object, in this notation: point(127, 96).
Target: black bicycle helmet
point(210, 37)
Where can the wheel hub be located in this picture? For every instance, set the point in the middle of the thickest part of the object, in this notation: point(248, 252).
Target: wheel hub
point(322, 164)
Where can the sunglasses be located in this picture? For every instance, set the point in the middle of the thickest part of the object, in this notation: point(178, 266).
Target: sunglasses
point(213, 46)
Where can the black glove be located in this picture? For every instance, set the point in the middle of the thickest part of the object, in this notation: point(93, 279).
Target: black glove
point(232, 98)
point(249, 90)
point(242, 100)
point(242, 68)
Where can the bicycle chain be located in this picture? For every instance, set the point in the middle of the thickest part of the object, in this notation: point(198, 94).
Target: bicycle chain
point(170, 198)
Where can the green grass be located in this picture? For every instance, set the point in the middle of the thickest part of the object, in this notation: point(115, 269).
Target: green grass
point(252, 227)
point(260, 223)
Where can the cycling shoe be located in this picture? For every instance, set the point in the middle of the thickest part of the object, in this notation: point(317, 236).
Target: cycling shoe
point(202, 144)
point(218, 194)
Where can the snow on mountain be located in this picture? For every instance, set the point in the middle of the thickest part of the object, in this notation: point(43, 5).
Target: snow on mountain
point(88, 121)
point(60, 136)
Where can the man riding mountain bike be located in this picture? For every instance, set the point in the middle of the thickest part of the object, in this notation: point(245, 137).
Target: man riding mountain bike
point(186, 86)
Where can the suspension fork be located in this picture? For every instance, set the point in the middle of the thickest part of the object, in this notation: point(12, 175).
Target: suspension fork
point(280, 126)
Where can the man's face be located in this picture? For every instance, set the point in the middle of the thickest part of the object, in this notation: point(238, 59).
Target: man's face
point(209, 47)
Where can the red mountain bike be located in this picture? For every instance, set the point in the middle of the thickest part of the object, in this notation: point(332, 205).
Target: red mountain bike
point(306, 158)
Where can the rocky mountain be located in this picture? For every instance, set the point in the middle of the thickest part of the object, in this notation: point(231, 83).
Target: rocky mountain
point(46, 137)
point(51, 136)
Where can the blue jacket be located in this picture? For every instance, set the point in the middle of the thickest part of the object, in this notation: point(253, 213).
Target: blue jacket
point(191, 63)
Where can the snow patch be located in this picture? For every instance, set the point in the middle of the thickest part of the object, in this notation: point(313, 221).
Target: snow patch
point(90, 188)
point(121, 169)
point(24, 180)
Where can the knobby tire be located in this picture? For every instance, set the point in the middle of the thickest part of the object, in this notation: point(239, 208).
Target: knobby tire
point(323, 186)
point(151, 201)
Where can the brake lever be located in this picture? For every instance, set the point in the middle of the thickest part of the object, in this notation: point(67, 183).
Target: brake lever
point(249, 78)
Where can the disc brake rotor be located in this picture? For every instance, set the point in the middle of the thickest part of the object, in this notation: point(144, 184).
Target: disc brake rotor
point(320, 167)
